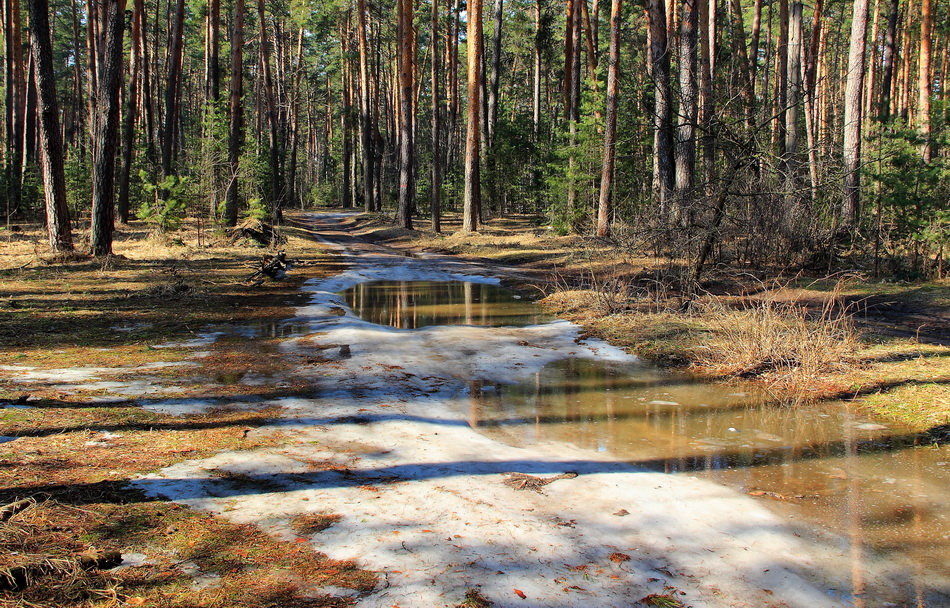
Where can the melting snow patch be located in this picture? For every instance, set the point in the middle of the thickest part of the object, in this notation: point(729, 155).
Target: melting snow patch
point(204, 339)
point(180, 407)
point(423, 497)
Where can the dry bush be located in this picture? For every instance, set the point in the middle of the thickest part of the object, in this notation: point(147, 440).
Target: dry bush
point(786, 342)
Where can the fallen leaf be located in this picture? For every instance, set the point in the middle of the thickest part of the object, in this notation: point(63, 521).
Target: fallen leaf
point(521, 594)
point(619, 558)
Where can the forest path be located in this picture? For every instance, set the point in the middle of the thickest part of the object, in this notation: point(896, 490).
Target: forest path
point(384, 441)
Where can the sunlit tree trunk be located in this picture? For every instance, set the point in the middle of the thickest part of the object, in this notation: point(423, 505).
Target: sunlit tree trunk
point(172, 89)
point(435, 197)
point(406, 136)
point(213, 76)
point(794, 80)
point(270, 103)
point(366, 118)
point(105, 130)
point(888, 61)
point(610, 129)
point(686, 127)
point(15, 98)
point(51, 142)
point(131, 107)
point(923, 79)
point(236, 114)
point(663, 163)
point(472, 203)
point(851, 203)
point(493, 91)
point(536, 82)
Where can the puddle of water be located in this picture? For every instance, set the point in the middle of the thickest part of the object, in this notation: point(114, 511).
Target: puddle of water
point(881, 488)
point(416, 304)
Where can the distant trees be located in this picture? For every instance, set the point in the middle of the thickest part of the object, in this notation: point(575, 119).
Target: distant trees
point(371, 105)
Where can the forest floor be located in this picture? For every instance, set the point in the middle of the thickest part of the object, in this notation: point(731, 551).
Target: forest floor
point(160, 373)
point(85, 343)
point(884, 345)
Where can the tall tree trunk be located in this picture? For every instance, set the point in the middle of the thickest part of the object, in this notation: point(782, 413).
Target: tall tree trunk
point(131, 106)
point(536, 82)
point(874, 55)
point(172, 89)
point(495, 73)
point(663, 159)
point(574, 113)
point(568, 84)
point(793, 77)
point(236, 114)
point(366, 117)
point(106, 126)
point(51, 143)
point(708, 37)
point(346, 120)
point(888, 61)
point(406, 85)
point(270, 99)
point(811, 95)
point(781, 82)
point(472, 203)
point(923, 79)
point(435, 197)
point(15, 89)
point(213, 77)
point(610, 129)
point(686, 127)
point(851, 203)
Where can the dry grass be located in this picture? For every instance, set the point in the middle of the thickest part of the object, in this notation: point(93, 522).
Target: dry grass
point(807, 338)
point(245, 567)
point(782, 343)
point(66, 311)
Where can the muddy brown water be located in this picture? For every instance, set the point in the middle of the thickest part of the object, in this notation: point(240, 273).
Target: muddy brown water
point(877, 492)
point(417, 304)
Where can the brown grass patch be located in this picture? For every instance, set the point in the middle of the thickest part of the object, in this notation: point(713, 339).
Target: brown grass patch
point(311, 523)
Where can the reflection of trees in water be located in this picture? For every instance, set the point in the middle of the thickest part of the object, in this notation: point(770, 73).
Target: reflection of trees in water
point(415, 304)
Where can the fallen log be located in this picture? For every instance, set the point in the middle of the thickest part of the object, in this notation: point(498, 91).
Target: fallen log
point(18, 578)
point(274, 267)
point(255, 230)
point(8, 511)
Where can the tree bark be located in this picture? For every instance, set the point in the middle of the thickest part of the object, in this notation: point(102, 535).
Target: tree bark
point(51, 143)
point(888, 60)
point(610, 129)
point(406, 135)
point(366, 117)
point(495, 73)
point(536, 81)
point(663, 159)
point(686, 127)
point(923, 79)
point(236, 114)
point(793, 77)
point(270, 98)
point(471, 209)
point(435, 197)
point(851, 154)
point(213, 77)
point(131, 107)
point(172, 89)
point(106, 127)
